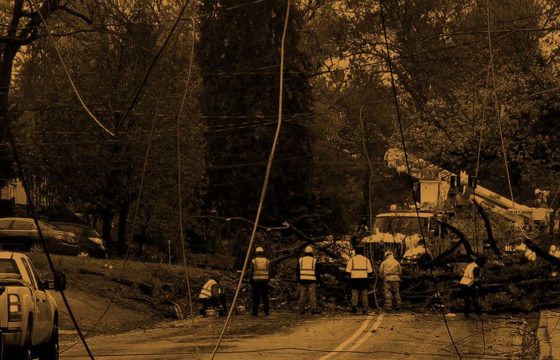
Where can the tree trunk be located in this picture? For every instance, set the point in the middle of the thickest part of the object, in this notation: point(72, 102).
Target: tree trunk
point(107, 220)
point(7, 57)
point(121, 235)
point(6, 65)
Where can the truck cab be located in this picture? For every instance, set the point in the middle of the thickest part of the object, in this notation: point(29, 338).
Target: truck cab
point(403, 231)
point(30, 324)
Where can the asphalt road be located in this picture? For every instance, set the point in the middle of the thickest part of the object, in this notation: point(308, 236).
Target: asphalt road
point(343, 336)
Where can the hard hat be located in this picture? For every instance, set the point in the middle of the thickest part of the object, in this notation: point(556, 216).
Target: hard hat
point(259, 250)
point(537, 191)
point(388, 253)
point(308, 249)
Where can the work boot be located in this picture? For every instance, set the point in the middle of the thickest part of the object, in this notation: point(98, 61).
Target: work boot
point(354, 310)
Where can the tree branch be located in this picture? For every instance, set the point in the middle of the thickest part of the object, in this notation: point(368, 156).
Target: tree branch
point(77, 14)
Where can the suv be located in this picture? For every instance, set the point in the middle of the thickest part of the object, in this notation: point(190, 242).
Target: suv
point(29, 319)
point(22, 234)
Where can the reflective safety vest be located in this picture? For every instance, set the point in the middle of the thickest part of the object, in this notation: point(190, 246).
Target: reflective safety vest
point(206, 292)
point(260, 268)
point(307, 268)
point(359, 267)
point(468, 276)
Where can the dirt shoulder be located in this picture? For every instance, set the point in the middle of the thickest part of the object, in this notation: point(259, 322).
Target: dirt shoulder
point(111, 301)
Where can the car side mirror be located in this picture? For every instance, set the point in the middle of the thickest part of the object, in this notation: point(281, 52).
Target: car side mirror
point(60, 281)
point(58, 284)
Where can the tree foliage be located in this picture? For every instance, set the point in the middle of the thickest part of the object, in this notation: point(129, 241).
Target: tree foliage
point(78, 165)
point(239, 55)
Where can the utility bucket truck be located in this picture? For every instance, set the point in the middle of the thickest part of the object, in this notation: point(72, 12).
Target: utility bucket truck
point(428, 234)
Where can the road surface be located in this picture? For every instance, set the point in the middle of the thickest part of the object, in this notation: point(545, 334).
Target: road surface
point(341, 336)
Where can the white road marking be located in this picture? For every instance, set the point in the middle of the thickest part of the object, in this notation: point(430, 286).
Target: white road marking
point(349, 340)
point(368, 334)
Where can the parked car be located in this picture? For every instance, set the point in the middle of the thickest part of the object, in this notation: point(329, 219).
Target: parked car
point(21, 234)
point(29, 319)
point(89, 240)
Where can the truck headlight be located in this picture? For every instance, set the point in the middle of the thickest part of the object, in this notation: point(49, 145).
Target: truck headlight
point(14, 308)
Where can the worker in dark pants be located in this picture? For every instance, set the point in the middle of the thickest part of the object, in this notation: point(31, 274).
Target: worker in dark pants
point(259, 277)
point(359, 271)
point(470, 283)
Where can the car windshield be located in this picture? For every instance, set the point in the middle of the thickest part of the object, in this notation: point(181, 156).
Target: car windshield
point(399, 224)
point(8, 266)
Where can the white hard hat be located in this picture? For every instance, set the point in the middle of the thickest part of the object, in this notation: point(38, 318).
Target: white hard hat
point(259, 250)
point(537, 191)
point(308, 249)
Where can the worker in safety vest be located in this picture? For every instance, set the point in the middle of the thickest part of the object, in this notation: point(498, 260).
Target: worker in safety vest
point(211, 295)
point(390, 271)
point(470, 283)
point(259, 276)
point(307, 277)
point(359, 270)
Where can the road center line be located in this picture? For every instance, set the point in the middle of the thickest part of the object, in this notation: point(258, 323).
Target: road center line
point(349, 340)
point(368, 334)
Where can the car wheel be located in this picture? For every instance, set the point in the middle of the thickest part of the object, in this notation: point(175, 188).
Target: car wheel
point(50, 351)
point(36, 248)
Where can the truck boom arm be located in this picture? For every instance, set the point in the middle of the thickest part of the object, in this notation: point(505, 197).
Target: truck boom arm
point(498, 204)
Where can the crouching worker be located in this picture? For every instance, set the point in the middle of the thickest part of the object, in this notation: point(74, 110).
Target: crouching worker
point(390, 271)
point(359, 270)
point(211, 295)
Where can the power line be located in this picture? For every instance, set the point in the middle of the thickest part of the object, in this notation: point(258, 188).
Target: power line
point(179, 184)
point(408, 165)
point(67, 72)
point(266, 179)
point(155, 24)
point(31, 207)
point(139, 355)
point(152, 64)
point(135, 216)
point(497, 104)
point(484, 103)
